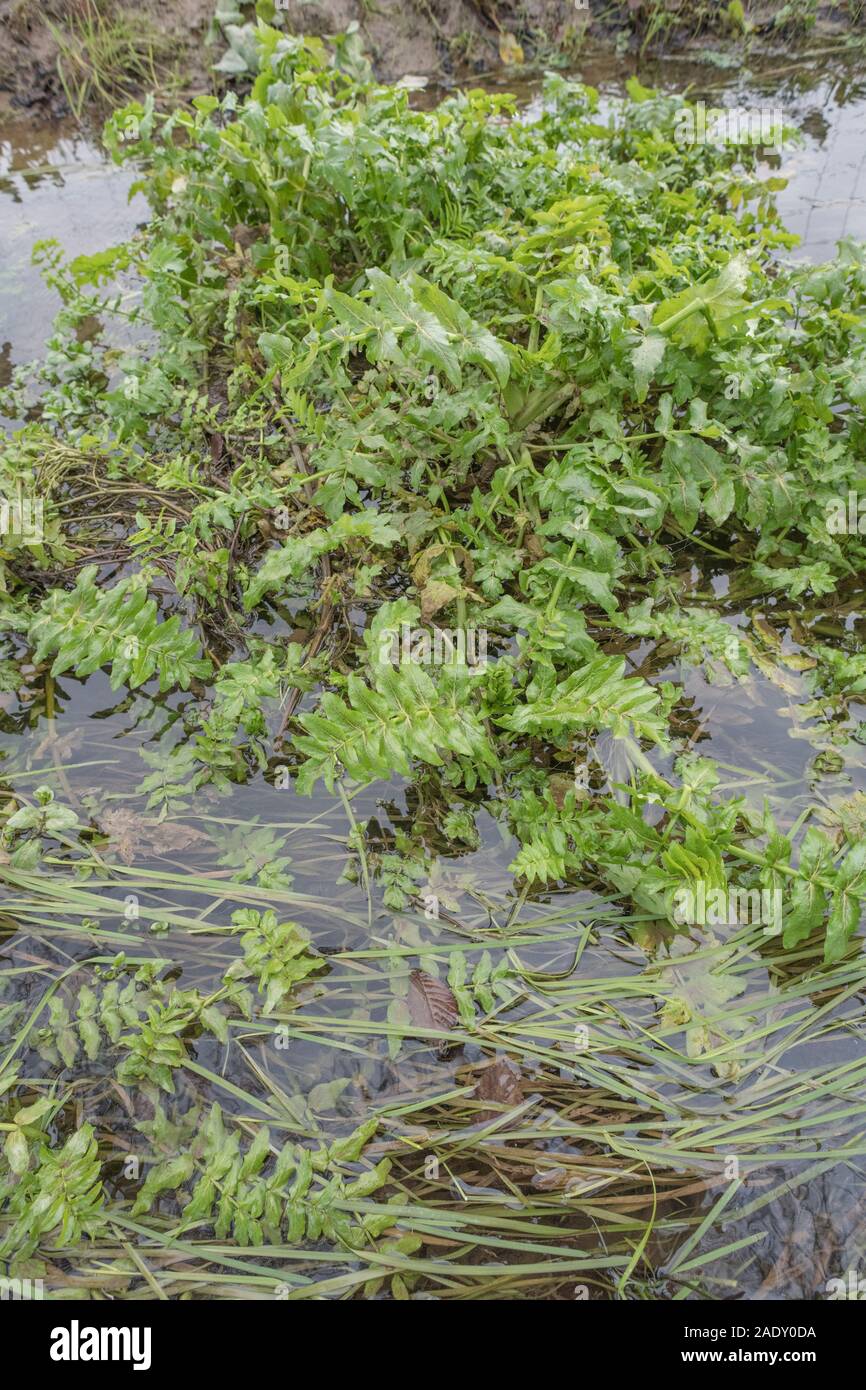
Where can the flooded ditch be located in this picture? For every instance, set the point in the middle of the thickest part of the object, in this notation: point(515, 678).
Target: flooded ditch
point(524, 1179)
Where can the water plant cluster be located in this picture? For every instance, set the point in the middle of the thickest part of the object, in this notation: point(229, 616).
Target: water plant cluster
point(551, 376)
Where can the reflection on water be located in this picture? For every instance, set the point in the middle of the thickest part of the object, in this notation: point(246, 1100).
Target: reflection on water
point(54, 182)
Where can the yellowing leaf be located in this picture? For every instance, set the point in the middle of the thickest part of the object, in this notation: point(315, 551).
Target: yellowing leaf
point(510, 51)
point(435, 595)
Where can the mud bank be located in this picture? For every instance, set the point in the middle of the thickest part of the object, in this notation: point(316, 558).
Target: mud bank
point(445, 38)
point(79, 54)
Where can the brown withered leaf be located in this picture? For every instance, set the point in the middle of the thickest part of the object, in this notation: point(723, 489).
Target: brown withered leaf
point(61, 745)
point(436, 594)
point(168, 836)
point(769, 634)
point(422, 561)
point(245, 236)
point(501, 1082)
point(560, 785)
point(131, 834)
point(431, 1003)
point(217, 448)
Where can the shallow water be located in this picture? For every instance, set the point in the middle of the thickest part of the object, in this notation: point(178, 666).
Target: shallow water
point(55, 183)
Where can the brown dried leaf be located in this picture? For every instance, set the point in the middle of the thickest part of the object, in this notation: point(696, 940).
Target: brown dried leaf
point(501, 1082)
point(167, 836)
point(431, 1003)
point(435, 595)
point(560, 785)
point(131, 834)
point(245, 236)
point(217, 448)
point(61, 745)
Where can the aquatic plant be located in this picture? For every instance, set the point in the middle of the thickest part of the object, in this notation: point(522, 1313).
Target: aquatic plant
point(384, 370)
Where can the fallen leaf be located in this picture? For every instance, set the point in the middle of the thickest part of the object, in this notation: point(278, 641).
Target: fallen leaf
point(435, 595)
point(776, 675)
point(130, 834)
point(510, 51)
point(217, 448)
point(61, 745)
point(166, 836)
point(769, 634)
point(501, 1082)
point(798, 661)
point(245, 236)
point(431, 1003)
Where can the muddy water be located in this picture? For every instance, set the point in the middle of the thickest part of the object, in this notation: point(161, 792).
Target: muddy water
point(56, 183)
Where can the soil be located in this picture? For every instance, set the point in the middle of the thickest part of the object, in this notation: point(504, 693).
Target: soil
point(447, 40)
point(440, 38)
point(29, 50)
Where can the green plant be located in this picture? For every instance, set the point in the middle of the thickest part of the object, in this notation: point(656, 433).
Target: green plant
point(61, 1196)
point(403, 376)
point(92, 627)
point(302, 1195)
point(103, 55)
point(277, 953)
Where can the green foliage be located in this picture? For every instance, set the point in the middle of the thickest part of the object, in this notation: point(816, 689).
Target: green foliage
point(477, 374)
point(61, 1197)
point(25, 827)
point(27, 1125)
point(92, 627)
point(301, 1194)
point(403, 377)
point(276, 953)
point(380, 729)
point(295, 557)
point(482, 984)
point(596, 697)
point(156, 1012)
